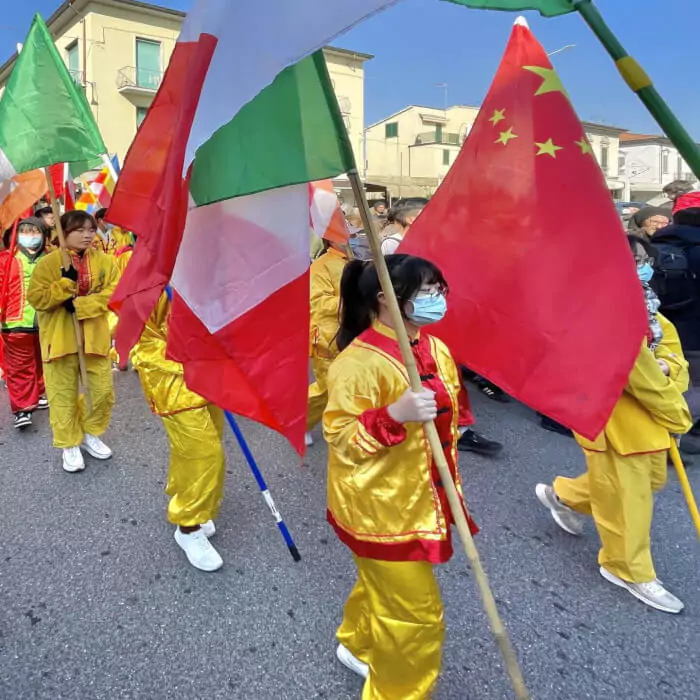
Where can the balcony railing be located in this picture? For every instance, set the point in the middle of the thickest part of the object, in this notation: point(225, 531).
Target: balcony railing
point(446, 137)
point(133, 78)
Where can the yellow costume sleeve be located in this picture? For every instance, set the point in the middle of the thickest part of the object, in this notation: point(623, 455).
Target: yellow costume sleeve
point(45, 291)
point(658, 394)
point(94, 304)
point(354, 389)
point(671, 351)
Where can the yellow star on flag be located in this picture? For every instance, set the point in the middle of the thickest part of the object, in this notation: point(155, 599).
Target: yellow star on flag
point(506, 136)
point(585, 146)
point(498, 116)
point(548, 148)
point(552, 81)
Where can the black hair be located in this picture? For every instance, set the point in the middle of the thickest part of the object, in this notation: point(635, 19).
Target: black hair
point(100, 214)
point(687, 217)
point(649, 249)
point(360, 288)
point(405, 209)
point(75, 219)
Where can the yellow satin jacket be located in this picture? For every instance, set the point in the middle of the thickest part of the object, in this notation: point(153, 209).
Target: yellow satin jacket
point(385, 500)
point(325, 275)
point(47, 292)
point(162, 380)
point(652, 406)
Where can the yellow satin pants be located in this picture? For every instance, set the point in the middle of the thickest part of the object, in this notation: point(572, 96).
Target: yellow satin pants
point(68, 413)
point(318, 392)
point(619, 493)
point(393, 622)
point(197, 465)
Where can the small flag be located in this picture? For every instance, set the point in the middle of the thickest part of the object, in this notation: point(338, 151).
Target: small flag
point(18, 193)
point(327, 220)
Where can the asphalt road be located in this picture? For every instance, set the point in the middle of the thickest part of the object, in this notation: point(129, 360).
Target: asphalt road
point(97, 601)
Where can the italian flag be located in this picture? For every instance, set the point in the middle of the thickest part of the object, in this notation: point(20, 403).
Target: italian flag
point(216, 185)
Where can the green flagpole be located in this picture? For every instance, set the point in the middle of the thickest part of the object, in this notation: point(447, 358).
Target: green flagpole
point(637, 79)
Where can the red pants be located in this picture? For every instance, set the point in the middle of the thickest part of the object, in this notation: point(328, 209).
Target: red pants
point(24, 373)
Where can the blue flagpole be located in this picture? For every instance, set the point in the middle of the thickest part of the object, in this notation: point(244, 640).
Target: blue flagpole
point(263, 486)
point(257, 474)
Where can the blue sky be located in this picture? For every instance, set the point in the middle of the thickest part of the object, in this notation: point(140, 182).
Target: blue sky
point(421, 43)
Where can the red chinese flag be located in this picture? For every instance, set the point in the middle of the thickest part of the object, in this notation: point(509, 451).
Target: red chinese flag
point(544, 298)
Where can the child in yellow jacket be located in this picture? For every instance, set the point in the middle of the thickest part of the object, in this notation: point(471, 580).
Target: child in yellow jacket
point(386, 501)
point(325, 274)
point(627, 463)
point(194, 428)
point(81, 292)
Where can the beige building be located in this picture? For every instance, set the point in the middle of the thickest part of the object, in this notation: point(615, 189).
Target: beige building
point(411, 151)
point(118, 51)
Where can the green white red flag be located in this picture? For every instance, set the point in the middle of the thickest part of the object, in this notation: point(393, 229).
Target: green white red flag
point(216, 185)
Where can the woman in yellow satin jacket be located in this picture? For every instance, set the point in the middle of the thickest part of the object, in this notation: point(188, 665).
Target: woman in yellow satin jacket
point(194, 428)
point(59, 296)
point(385, 498)
point(627, 463)
point(325, 274)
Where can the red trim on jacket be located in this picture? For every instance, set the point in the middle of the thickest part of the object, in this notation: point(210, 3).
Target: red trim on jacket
point(382, 427)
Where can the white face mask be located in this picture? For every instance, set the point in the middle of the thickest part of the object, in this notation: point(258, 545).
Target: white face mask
point(30, 241)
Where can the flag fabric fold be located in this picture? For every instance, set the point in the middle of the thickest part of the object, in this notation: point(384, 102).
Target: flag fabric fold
point(547, 8)
point(327, 220)
point(18, 194)
point(546, 307)
point(44, 116)
point(216, 185)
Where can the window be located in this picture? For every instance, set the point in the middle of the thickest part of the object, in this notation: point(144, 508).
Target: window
point(140, 115)
point(679, 166)
point(445, 157)
point(148, 67)
point(391, 130)
point(438, 133)
point(74, 62)
point(604, 153)
point(664, 162)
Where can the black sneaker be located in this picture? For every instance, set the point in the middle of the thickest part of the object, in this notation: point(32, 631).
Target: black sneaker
point(471, 441)
point(492, 391)
point(554, 427)
point(23, 419)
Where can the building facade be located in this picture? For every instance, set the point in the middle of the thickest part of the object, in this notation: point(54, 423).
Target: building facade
point(118, 51)
point(648, 163)
point(411, 151)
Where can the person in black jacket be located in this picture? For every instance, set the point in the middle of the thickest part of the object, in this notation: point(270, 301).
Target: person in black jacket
point(680, 296)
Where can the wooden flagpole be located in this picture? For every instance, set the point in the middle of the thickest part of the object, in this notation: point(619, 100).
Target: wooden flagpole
point(497, 627)
point(66, 265)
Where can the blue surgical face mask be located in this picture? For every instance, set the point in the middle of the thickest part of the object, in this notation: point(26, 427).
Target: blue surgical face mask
point(645, 272)
point(30, 241)
point(427, 309)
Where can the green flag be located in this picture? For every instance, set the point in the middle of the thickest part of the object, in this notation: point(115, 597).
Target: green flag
point(548, 8)
point(44, 116)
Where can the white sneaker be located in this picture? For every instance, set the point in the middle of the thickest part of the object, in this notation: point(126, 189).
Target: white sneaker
point(349, 660)
point(95, 447)
point(199, 550)
point(73, 459)
point(208, 528)
point(568, 519)
point(308, 439)
point(652, 594)
point(43, 404)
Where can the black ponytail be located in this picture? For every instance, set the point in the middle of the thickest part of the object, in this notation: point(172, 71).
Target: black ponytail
point(355, 312)
point(360, 288)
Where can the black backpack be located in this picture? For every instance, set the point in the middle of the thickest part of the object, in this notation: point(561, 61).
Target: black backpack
point(674, 280)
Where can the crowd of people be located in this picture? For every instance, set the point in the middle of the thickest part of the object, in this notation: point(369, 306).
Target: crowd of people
point(386, 501)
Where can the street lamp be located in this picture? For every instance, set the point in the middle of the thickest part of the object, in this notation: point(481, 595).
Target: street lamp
point(562, 49)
